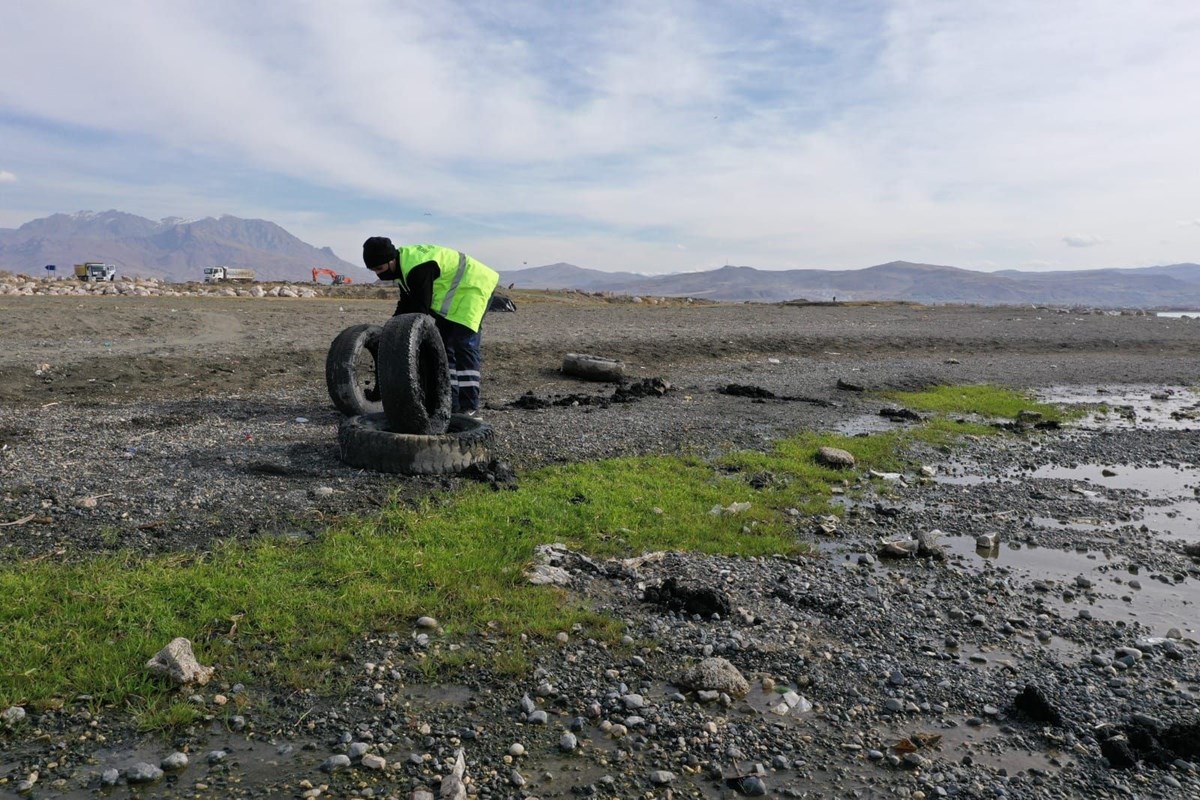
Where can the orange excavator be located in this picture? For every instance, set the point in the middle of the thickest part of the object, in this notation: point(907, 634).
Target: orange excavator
point(337, 278)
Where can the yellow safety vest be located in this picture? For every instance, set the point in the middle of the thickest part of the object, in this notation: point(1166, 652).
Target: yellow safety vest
point(462, 289)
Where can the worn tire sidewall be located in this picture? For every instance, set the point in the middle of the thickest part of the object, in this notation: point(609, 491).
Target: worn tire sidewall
point(366, 441)
point(340, 369)
point(414, 375)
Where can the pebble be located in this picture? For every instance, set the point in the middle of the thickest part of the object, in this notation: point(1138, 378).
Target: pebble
point(336, 763)
point(375, 762)
point(142, 772)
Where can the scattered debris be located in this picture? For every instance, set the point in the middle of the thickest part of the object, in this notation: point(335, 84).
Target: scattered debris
point(625, 393)
point(900, 414)
point(700, 600)
point(760, 394)
point(827, 525)
point(898, 548)
point(732, 508)
point(1033, 704)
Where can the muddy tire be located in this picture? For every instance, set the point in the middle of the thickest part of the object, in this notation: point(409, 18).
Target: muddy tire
point(593, 368)
point(414, 376)
point(353, 387)
point(365, 441)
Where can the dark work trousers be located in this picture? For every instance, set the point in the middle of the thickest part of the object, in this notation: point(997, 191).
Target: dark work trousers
point(465, 361)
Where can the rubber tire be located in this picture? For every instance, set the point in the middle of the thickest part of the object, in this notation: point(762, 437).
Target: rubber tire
point(341, 379)
point(414, 375)
point(365, 441)
point(593, 368)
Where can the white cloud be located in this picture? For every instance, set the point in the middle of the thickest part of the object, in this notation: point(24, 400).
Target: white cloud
point(834, 136)
point(7, 177)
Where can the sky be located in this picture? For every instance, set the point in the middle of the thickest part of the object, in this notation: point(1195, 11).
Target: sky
point(649, 136)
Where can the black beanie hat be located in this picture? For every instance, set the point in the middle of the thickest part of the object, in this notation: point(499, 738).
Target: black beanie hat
point(378, 250)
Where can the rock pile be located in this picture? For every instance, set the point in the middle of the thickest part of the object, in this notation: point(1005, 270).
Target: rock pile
point(146, 287)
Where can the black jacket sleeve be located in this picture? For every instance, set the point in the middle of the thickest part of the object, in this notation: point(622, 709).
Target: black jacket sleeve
point(419, 297)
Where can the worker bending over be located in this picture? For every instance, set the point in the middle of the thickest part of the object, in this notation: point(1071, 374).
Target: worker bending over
point(449, 286)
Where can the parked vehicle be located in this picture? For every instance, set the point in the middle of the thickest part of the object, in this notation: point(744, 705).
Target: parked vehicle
point(232, 274)
point(95, 271)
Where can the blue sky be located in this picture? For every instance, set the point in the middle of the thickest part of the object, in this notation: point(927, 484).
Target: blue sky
point(648, 136)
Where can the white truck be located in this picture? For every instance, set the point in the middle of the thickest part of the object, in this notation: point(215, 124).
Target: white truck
point(231, 274)
point(95, 271)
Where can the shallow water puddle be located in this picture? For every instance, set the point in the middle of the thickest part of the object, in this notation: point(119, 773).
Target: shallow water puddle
point(1080, 524)
point(1172, 511)
point(865, 424)
point(1162, 482)
point(245, 761)
point(1119, 592)
point(1167, 408)
point(1180, 519)
point(986, 744)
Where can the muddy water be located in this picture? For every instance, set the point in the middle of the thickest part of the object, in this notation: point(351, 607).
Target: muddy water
point(1120, 590)
point(1160, 407)
point(243, 762)
point(1171, 511)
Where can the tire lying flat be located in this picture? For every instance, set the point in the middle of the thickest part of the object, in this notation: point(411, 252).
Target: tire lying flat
point(414, 375)
point(353, 388)
point(593, 368)
point(366, 441)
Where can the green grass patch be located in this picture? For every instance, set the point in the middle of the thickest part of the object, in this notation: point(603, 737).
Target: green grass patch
point(986, 401)
point(283, 612)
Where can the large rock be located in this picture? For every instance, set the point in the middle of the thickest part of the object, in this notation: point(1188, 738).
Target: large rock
point(835, 457)
point(179, 664)
point(715, 674)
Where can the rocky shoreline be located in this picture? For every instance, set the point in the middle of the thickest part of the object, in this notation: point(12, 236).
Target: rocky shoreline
point(1062, 662)
point(952, 676)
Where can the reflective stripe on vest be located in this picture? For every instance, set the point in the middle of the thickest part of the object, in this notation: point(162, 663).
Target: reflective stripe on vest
point(458, 276)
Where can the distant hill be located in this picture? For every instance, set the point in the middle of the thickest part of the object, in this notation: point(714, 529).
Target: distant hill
point(178, 250)
point(173, 249)
point(1171, 286)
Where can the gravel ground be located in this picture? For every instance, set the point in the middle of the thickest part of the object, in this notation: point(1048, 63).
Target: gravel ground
point(163, 423)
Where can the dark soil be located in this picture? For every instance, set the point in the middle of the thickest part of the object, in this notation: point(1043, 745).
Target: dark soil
point(185, 420)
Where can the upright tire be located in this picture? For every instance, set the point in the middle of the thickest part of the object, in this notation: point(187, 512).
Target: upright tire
point(353, 386)
point(414, 375)
point(366, 442)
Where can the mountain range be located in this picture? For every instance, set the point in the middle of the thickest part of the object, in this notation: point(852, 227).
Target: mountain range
point(178, 250)
point(1176, 286)
point(173, 249)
